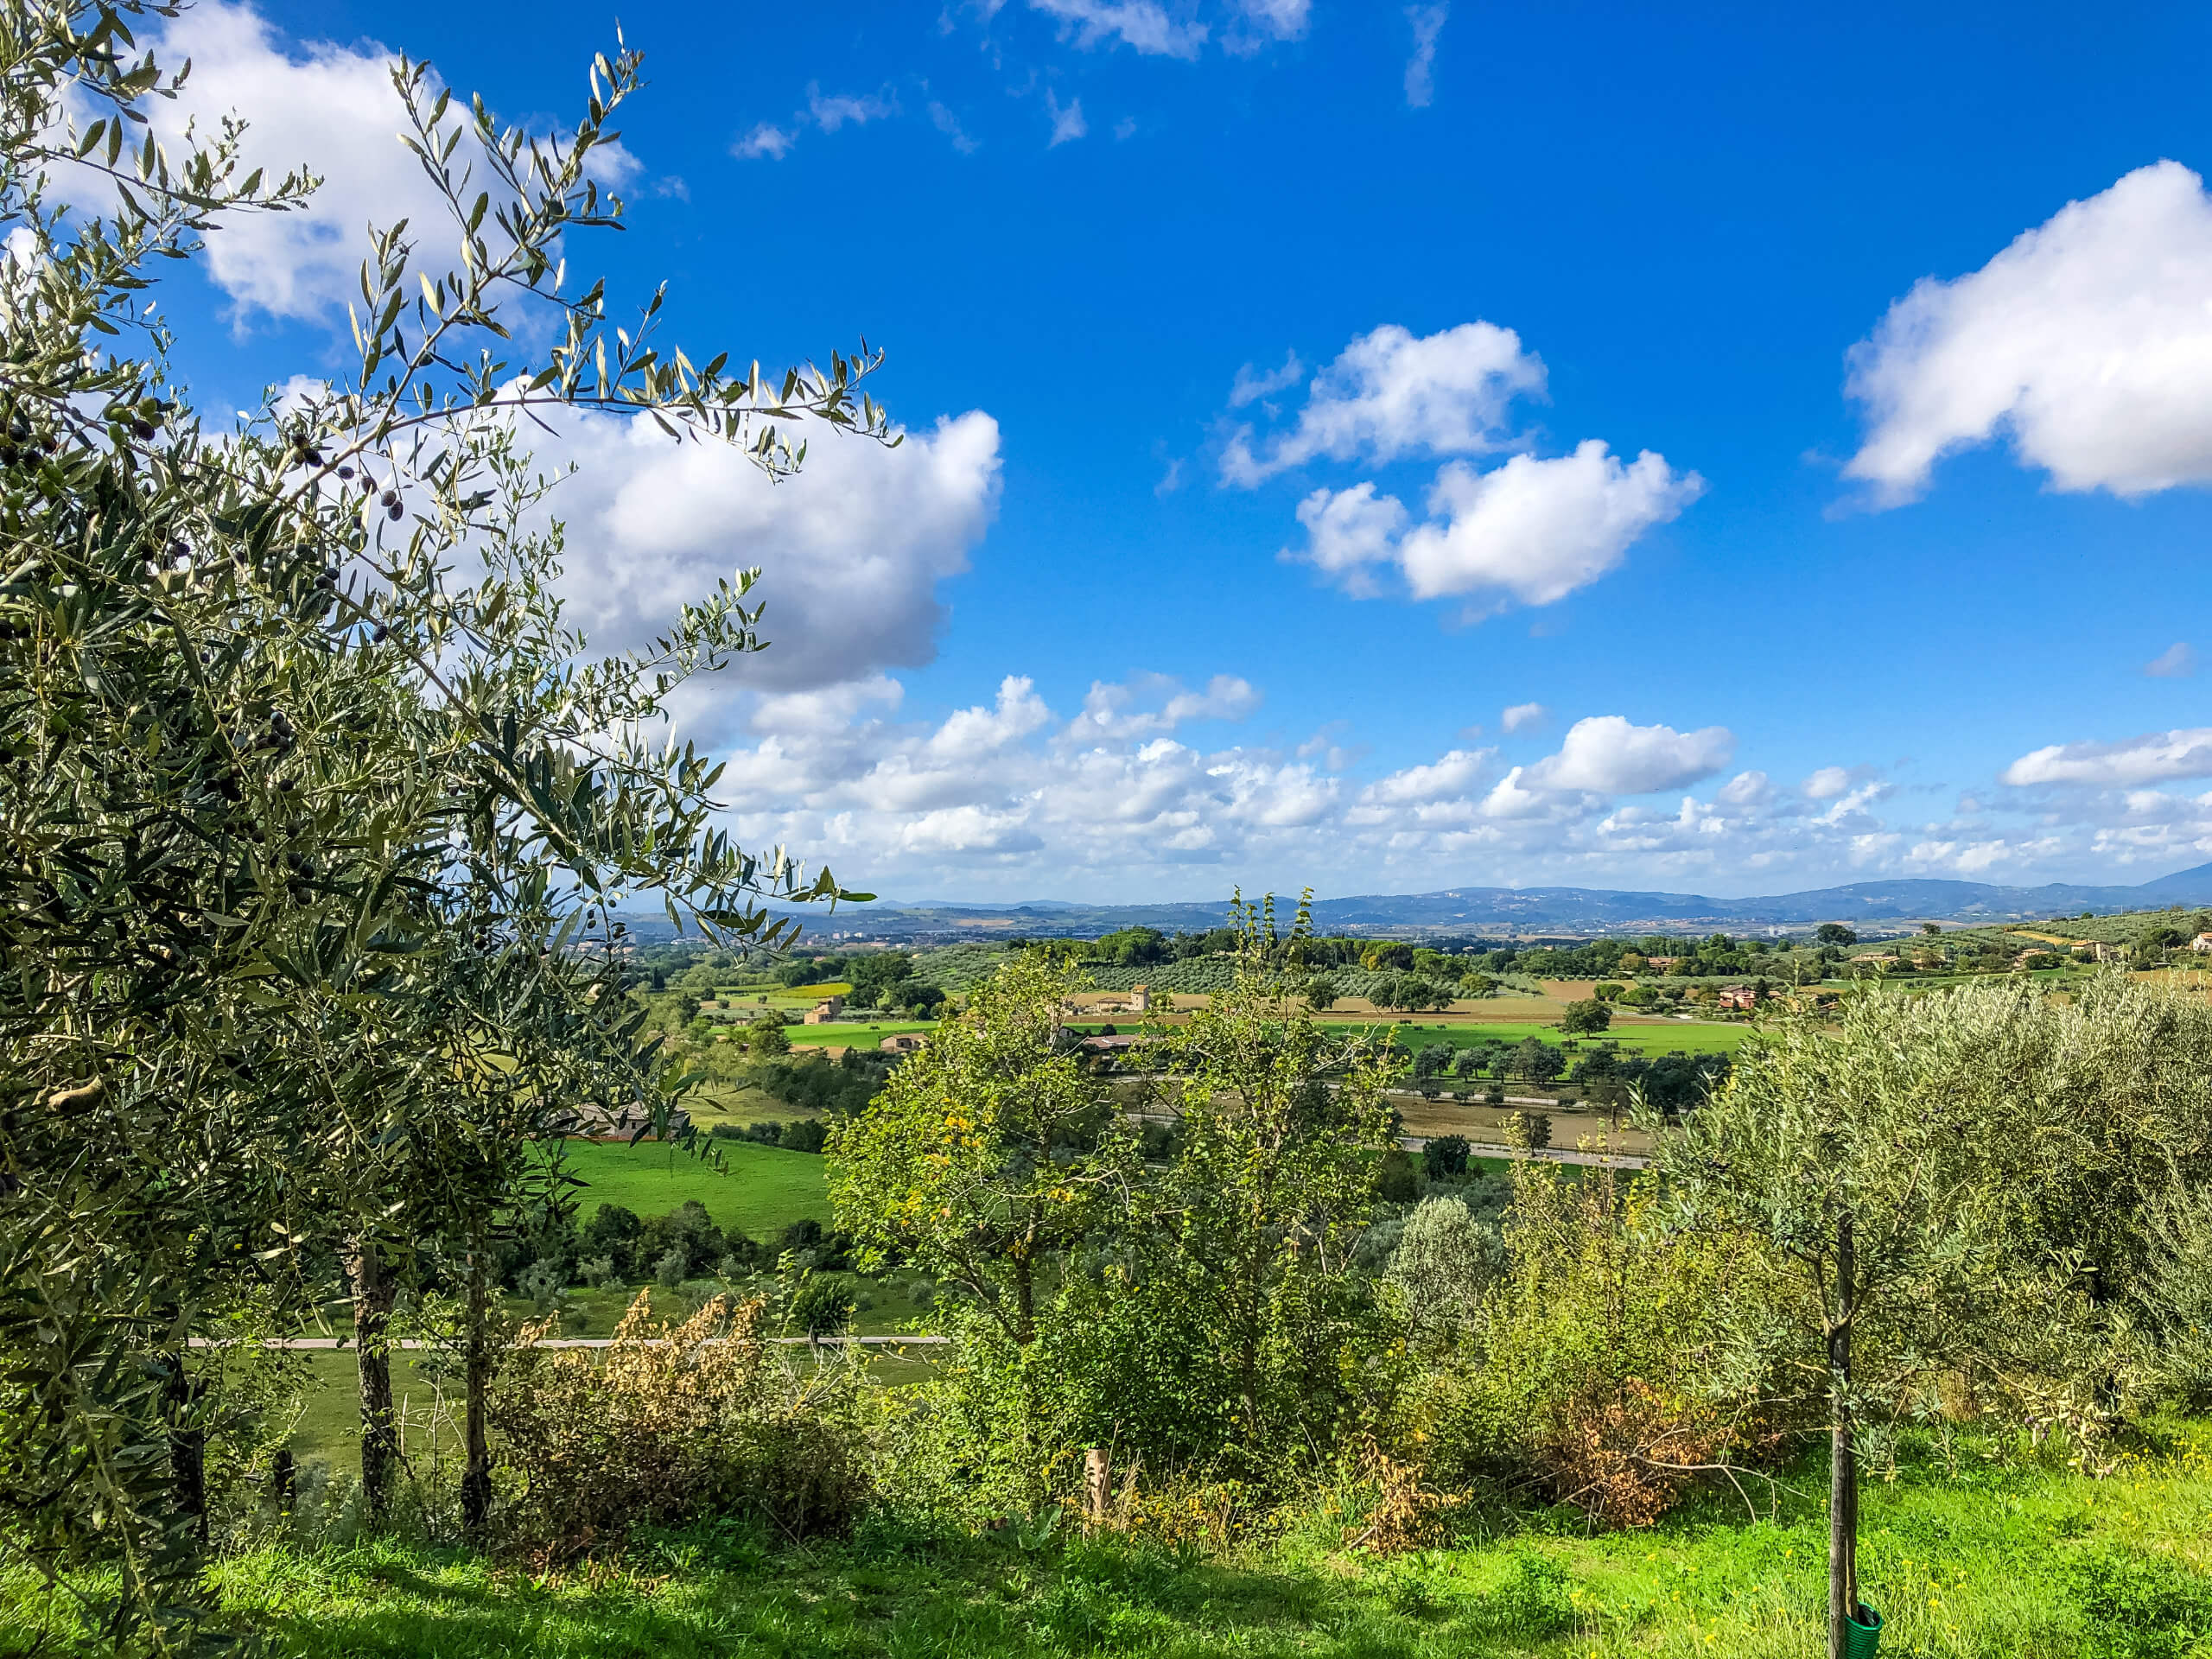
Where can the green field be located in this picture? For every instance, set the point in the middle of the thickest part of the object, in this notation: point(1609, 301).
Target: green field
point(2006, 1561)
point(761, 1190)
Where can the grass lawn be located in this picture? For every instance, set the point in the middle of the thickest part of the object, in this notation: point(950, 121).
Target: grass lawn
point(761, 1190)
point(1999, 1562)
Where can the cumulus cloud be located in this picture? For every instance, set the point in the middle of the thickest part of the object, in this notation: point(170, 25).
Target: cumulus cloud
point(1118, 801)
point(1113, 712)
point(328, 107)
point(2176, 661)
point(1533, 530)
point(2087, 342)
point(2151, 757)
point(1538, 530)
point(767, 139)
point(852, 548)
point(1392, 393)
point(1420, 79)
point(1348, 531)
point(1828, 783)
point(1521, 715)
point(1605, 754)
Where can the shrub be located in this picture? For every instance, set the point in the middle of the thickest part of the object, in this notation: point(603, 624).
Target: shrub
point(1599, 1374)
point(1446, 1154)
point(1443, 1261)
point(675, 1424)
point(822, 1308)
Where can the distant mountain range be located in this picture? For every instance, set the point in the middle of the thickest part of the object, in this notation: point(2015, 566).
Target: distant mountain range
point(1525, 910)
point(1567, 910)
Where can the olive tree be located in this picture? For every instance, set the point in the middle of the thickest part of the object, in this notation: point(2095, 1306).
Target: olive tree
point(311, 797)
point(1960, 1184)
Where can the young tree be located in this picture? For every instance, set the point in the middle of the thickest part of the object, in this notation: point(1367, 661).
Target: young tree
point(991, 1151)
point(1910, 1167)
point(1281, 1129)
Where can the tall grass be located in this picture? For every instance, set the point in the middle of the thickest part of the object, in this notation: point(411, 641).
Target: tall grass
point(2007, 1558)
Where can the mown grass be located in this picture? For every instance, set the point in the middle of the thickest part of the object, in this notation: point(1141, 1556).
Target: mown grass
point(759, 1190)
point(1998, 1562)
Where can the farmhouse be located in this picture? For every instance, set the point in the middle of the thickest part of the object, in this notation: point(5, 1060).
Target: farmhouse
point(828, 1008)
point(904, 1042)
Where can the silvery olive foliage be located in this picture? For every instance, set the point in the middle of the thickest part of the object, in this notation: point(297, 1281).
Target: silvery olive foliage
point(315, 811)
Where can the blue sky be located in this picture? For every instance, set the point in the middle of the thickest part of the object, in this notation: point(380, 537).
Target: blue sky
point(1292, 399)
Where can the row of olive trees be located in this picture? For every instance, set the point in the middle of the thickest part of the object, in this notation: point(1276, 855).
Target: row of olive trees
point(310, 796)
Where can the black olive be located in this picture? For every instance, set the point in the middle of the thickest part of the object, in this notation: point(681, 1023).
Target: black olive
point(397, 514)
point(381, 634)
point(390, 498)
point(345, 472)
point(142, 430)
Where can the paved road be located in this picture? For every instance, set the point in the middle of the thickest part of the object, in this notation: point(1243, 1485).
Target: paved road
point(1548, 1156)
point(573, 1342)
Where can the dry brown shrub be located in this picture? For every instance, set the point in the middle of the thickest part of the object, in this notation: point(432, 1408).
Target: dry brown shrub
point(1408, 1513)
point(671, 1423)
point(1625, 1456)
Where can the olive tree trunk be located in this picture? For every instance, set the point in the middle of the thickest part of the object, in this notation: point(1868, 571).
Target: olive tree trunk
point(476, 1375)
point(372, 1299)
point(1843, 1466)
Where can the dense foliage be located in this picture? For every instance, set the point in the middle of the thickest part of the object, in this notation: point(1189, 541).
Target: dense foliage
point(310, 797)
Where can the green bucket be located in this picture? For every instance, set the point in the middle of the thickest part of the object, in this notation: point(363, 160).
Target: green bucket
point(1862, 1633)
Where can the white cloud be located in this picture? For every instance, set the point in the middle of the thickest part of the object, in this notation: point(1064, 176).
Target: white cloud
point(1391, 393)
point(765, 139)
point(949, 124)
point(973, 734)
point(1521, 715)
point(1605, 754)
point(1111, 712)
point(1539, 530)
point(837, 110)
point(1067, 122)
point(1251, 386)
point(2088, 342)
point(853, 548)
point(1420, 79)
point(2176, 661)
point(1745, 789)
point(2149, 758)
point(1827, 783)
point(1143, 24)
point(1533, 530)
point(1286, 20)
point(1115, 803)
point(1452, 776)
point(328, 107)
point(1347, 531)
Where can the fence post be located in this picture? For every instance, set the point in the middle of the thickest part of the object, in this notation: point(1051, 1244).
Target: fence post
point(1097, 1475)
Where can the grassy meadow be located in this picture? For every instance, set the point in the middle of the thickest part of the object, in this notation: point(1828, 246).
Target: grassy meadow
point(759, 1190)
point(2008, 1559)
